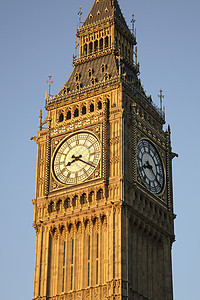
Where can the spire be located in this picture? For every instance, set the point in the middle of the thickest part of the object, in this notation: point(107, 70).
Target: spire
point(103, 10)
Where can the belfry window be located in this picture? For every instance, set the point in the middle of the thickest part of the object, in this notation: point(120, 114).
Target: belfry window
point(76, 113)
point(90, 47)
point(84, 110)
point(90, 73)
point(50, 207)
point(96, 46)
point(93, 80)
point(99, 105)
point(69, 115)
point(101, 44)
point(61, 117)
point(91, 107)
point(106, 42)
point(100, 194)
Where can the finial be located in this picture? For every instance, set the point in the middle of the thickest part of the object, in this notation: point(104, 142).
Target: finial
point(76, 46)
point(79, 17)
point(161, 96)
point(49, 82)
point(40, 120)
point(136, 56)
point(133, 24)
point(119, 60)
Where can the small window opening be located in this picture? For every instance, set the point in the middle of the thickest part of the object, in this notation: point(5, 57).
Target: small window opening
point(106, 42)
point(83, 198)
point(90, 47)
point(85, 49)
point(93, 80)
point(99, 105)
point(91, 107)
point(100, 194)
point(69, 115)
point(67, 203)
point(50, 207)
point(76, 113)
point(84, 110)
point(74, 200)
point(101, 44)
point(61, 117)
point(91, 196)
point(96, 46)
point(90, 73)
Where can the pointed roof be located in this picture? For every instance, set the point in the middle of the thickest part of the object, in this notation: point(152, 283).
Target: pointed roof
point(105, 9)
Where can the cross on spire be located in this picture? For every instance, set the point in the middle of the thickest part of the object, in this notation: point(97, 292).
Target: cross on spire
point(161, 96)
point(50, 82)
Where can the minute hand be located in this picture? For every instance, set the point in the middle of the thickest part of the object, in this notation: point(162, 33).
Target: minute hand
point(86, 162)
point(155, 176)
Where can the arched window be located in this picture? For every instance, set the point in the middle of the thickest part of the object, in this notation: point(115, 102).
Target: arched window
point(91, 196)
point(59, 205)
point(74, 200)
point(78, 86)
point(61, 117)
point(106, 76)
point(69, 115)
point(99, 105)
point(101, 44)
point(67, 203)
point(50, 207)
point(85, 49)
point(90, 47)
point(100, 194)
point(83, 198)
point(84, 110)
point(90, 73)
point(91, 107)
point(96, 46)
point(93, 81)
point(76, 113)
point(103, 68)
point(106, 42)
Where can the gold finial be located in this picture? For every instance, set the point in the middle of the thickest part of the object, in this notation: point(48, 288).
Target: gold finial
point(79, 17)
point(49, 82)
point(161, 96)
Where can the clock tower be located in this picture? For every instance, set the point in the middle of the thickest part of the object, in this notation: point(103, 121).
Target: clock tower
point(103, 207)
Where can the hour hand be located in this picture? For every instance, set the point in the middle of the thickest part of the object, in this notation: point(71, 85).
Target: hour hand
point(75, 158)
point(70, 162)
point(147, 165)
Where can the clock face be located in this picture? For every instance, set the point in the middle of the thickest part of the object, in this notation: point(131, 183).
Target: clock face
point(76, 158)
point(150, 166)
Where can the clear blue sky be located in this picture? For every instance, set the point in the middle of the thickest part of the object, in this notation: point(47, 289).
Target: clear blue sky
point(37, 38)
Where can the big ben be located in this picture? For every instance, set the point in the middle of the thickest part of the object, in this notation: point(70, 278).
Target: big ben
point(103, 207)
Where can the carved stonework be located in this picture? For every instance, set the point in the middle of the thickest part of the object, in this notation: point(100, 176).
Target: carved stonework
point(95, 219)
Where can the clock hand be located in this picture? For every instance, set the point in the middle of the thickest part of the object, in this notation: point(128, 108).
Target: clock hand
point(155, 176)
point(70, 162)
point(147, 166)
point(75, 159)
point(86, 162)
